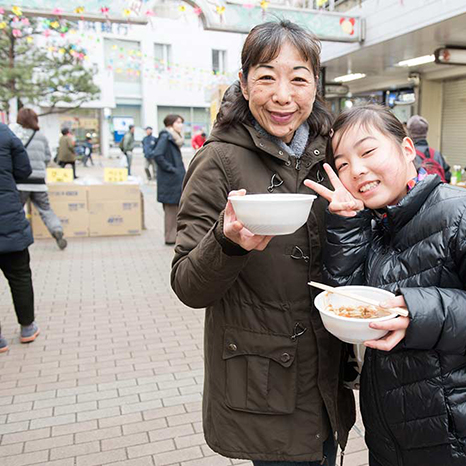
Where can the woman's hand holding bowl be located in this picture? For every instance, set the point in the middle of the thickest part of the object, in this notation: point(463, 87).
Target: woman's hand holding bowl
point(235, 231)
point(341, 200)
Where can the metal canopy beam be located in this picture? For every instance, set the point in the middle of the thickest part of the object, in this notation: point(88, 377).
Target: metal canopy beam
point(222, 15)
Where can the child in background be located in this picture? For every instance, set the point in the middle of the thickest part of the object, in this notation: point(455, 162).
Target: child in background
point(392, 227)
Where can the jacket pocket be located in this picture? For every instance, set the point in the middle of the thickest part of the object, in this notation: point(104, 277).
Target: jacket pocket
point(261, 371)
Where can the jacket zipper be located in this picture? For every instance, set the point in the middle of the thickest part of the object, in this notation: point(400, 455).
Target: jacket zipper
point(298, 163)
point(379, 411)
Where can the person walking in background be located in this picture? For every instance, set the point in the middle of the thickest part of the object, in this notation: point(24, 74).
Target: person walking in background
point(430, 159)
point(87, 151)
point(66, 152)
point(15, 234)
point(198, 140)
point(170, 172)
point(34, 187)
point(148, 146)
point(127, 146)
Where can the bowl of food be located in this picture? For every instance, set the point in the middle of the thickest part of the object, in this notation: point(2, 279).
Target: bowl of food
point(272, 214)
point(348, 319)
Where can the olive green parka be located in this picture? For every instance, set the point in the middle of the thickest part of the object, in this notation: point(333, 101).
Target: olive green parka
point(272, 372)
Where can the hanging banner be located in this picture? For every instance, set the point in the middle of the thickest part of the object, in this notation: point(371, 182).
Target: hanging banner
point(228, 16)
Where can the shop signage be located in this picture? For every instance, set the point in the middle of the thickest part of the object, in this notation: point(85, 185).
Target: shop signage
point(59, 175)
point(115, 175)
point(336, 89)
point(450, 56)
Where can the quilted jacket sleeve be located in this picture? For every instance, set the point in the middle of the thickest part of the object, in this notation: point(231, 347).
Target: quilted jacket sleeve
point(345, 252)
point(206, 264)
point(438, 315)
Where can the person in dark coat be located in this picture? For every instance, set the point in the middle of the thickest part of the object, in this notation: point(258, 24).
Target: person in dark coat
point(170, 172)
point(273, 386)
point(399, 229)
point(15, 234)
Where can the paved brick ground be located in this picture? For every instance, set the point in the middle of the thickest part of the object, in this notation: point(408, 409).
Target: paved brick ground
point(116, 376)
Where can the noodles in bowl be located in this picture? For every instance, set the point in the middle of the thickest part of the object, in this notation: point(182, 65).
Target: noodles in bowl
point(348, 319)
point(358, 312)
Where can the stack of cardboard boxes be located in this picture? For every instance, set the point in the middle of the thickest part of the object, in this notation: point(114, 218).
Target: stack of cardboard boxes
point(93, 210)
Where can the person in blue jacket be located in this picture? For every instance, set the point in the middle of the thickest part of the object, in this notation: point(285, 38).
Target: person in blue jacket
point(15, 234)
point(170, 172)
point(148, 147)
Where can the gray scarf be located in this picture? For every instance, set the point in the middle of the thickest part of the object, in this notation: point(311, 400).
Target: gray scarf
point(297, 145)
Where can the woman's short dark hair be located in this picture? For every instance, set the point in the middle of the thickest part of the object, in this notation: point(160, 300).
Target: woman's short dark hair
point(65, 131)
point(28, 118)
point(366, 116)
point(169, 120)
point(262, 45)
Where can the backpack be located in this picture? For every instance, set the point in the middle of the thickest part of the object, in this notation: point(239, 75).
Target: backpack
point(122, 145)
point(430, 165)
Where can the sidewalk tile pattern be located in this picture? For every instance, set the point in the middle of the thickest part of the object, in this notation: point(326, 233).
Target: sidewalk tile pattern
point(115, 378)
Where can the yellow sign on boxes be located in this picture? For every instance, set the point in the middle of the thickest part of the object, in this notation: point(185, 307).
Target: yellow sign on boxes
point(59, 175)
point(115, 175)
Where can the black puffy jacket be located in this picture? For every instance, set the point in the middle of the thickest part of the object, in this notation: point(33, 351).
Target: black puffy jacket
point(15, 232)
point(413, 398)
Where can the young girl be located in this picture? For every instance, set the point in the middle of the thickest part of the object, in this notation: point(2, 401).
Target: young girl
point(392, 227)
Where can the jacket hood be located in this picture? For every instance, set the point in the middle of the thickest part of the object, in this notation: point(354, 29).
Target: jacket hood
point(22, 133)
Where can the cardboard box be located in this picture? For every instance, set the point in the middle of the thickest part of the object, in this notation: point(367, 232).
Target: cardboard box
point(67, 192)
point(93, 210)
point(74, 218)
point(69, 202)
point(113, 192)
point(111, 218)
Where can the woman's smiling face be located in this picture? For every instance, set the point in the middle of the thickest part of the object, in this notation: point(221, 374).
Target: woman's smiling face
point(281, 92)
point(372, 166)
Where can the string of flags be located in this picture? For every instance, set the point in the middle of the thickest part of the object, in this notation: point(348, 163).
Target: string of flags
point(137, 8)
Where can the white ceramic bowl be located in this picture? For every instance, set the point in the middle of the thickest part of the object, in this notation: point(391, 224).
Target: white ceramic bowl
point(351, 329)
point(272, 214)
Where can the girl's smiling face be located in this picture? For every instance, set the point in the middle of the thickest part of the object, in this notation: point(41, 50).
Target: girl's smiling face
point(373, 167)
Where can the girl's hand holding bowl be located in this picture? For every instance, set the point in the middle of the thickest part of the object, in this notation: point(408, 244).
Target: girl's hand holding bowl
point(396, 327)
point(235, 231)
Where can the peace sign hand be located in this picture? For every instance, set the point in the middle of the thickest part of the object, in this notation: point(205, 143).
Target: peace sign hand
point(341, 200)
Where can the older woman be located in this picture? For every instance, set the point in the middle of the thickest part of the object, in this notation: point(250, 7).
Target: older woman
point(273, 391)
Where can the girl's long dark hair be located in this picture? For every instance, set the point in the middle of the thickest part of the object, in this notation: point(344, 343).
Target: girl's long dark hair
point(262, 45)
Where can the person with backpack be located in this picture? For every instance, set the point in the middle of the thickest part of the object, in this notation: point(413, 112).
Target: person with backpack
point(426, 157)
point(127, 146)
point(148, 146)
point(34, 188)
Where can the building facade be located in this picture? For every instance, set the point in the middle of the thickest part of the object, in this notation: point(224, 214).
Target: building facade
point(170, 65)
